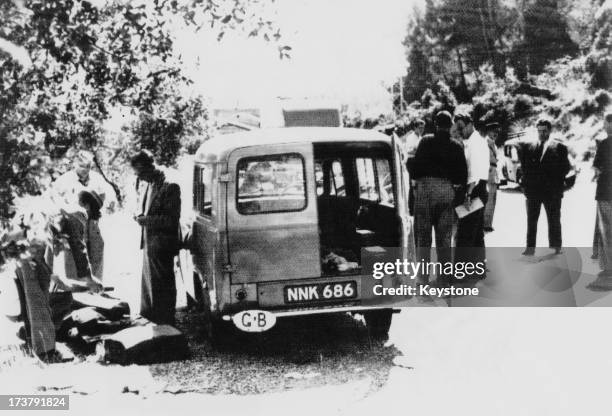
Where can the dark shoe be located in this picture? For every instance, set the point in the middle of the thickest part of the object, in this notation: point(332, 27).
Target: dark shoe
point(594, 256)
point(488, 229)
point(529, 251)
point(558, 250)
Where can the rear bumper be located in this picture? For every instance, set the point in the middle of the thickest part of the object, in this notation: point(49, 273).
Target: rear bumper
point(318, 311)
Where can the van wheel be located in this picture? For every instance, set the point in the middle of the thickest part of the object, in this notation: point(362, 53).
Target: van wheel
point(219, 332)
point(197, 302)
point(378, 323)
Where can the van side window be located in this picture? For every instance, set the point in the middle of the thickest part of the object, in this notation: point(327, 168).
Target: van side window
point(330, 171)
point(375, 180)
point(271, 184)
point(202, 195)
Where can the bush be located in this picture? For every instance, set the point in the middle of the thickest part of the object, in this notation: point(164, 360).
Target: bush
point(523, 106)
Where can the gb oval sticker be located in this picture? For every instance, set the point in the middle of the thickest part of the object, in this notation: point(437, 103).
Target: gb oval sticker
point(254, 320)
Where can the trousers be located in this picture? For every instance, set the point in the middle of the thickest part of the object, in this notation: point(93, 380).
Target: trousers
point(552, 206)
point(433, 209)
point(604, 221)
point(158, 287)
point(490, 206)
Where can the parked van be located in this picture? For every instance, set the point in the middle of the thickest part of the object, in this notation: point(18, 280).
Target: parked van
point(285, 218)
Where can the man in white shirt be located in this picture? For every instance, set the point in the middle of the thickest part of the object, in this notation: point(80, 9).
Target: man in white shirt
point(64, 193)
point(492, 131)
point(66, 188)
point(470, 228)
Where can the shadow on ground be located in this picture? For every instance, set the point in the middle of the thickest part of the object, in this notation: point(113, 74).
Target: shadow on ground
point(297, 353)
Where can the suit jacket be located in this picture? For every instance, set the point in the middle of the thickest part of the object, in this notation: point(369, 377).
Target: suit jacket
point(544, 177)
point(161, 215)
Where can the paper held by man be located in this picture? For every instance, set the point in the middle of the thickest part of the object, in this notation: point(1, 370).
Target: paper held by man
point(463, 210)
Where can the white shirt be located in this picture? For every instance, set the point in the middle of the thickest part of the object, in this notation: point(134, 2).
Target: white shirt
point(65, 190)
point(411, 142)
point(477, 157)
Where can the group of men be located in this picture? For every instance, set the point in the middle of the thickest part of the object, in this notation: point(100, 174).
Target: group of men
point(64, 252)
point(454, 182)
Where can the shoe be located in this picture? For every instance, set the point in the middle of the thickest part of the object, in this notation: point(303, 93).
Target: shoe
point(594, 256)
point(558, 250)
point(488, 229)
point(529, 251)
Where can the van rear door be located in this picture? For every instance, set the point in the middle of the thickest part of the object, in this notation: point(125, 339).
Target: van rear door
point(272, 214)
point(402, 186)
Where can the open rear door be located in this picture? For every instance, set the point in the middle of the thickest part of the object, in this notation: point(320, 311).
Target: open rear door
point(402, 184)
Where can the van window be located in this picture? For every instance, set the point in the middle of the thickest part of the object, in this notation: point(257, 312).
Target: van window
point(335, 177)
point(375, 180)
point(271, 184)
point(202, 195)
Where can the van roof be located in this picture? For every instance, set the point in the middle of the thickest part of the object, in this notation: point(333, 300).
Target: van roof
point(218, 148)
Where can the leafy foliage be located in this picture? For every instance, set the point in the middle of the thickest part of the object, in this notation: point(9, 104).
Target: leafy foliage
point(452, 39)
point(66, 66)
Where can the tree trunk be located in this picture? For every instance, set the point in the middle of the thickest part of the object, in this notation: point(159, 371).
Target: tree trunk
point(111, 183)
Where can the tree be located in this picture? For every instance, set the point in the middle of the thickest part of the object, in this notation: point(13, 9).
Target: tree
point(66, 65)
point(455, 37)
point(599, 59)
point(545, 38)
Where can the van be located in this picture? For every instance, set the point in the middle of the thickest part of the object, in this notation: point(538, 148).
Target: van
point(286, 220)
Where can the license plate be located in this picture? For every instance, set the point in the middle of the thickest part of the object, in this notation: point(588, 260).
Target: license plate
point(320, 292)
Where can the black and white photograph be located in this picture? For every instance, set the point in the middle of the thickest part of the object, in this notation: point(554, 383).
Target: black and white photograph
point(305, 207)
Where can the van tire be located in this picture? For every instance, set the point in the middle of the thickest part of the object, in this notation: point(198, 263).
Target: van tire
point(378, 323)
point(197, 303)
point(220, 333)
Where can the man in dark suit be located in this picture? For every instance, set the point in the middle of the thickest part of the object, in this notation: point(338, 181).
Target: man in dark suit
point(545, 164)
point(159, 219)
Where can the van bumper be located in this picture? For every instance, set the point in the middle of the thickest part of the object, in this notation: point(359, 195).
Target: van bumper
point(318, 311)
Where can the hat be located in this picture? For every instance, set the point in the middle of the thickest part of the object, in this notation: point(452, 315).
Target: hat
point(443, 119)
point(462, 116)
point(92, 196)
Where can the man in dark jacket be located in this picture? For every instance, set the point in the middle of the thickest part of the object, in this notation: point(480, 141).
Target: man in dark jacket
point(160, 202)
point(602, 164)
point(545, 164)
point(439, 170)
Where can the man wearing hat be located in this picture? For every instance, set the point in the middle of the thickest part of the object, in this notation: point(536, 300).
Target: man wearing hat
point(439, 170)
point(492, 132)
point(65, 191)
point(545, 165)
point(470, 228)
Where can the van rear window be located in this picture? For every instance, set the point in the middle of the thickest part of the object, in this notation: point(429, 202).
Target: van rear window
point(271, 184)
